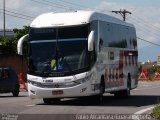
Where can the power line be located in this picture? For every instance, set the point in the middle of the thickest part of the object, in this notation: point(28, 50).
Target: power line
point(144, 22)
point(82, 6)
point(73, 4)
point(49, 4)
point(66, 7)
point(144, 26)
point(141, 25)
point(17, 16)
point(21, 12)
point(148, 41)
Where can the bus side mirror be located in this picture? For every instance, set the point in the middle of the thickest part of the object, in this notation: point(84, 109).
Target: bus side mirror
point(91, 41)
point(20, 44)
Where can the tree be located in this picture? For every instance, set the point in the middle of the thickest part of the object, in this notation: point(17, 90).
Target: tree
point(21, 32)
point(9, 44)
point(153, 69)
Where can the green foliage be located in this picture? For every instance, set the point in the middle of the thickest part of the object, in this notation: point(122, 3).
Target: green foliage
point(21, 32)
point(156, 112)
point(153, 69)
point(9, 44)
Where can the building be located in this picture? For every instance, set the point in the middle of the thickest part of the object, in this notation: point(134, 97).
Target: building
point(158, 60)
point(8, 32)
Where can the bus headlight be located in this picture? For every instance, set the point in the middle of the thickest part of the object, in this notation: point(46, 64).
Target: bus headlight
point(34, 83)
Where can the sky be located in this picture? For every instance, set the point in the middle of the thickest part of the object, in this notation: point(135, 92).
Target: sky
point(145, 17)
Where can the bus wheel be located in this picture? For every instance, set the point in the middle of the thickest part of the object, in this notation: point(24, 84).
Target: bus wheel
point(101, 93)
point(47, 100)
point(51, 100)
point(56, 100)
point(124, 93)
point(99, 98)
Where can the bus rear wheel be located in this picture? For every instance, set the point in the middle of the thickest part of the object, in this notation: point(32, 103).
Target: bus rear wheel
point(125, 93)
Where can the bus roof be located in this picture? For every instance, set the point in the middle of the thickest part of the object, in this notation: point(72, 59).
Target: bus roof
point(73, 18)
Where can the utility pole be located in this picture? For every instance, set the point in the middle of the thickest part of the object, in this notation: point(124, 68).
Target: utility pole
point(4, 27)
point(123, 13)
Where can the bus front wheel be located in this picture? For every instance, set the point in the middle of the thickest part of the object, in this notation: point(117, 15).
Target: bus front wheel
point(51, 100)
point(99, 98)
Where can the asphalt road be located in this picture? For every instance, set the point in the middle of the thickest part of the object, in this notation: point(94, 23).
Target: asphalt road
point(146, 95)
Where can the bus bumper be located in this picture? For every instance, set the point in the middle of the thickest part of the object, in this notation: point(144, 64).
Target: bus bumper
point(84, 89)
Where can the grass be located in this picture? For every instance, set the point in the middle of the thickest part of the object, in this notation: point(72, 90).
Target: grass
point(156, 112)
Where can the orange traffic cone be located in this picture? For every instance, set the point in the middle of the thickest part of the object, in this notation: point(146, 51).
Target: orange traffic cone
point(22, 83)
point(157, 74)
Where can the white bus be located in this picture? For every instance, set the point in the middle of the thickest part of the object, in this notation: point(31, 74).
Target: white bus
point(82, 53)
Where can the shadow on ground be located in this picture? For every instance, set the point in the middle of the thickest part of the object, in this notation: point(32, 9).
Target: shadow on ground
point(133, 101)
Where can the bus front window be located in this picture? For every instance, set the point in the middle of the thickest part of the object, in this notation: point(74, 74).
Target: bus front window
point(58, 57)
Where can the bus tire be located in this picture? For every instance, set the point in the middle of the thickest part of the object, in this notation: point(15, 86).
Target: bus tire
point(51, 100)
point(129, 81)
point(102, 85)
point(47, 100)
point(56, 100)
point(101, 93)
point(99, 98)
point(125, 93)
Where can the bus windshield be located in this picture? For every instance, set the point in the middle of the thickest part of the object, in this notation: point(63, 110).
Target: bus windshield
point(56, 52)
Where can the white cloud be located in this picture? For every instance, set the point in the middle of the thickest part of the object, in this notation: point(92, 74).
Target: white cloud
point(25, 7)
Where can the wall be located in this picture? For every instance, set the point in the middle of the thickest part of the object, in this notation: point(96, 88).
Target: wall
point(19, 63)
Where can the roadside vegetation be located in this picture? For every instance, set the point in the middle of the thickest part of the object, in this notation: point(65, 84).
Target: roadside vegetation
point(9, 44)
point(156, 112)
point(151, 70)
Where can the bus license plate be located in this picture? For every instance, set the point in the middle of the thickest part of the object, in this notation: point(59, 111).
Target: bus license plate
point(57, 92)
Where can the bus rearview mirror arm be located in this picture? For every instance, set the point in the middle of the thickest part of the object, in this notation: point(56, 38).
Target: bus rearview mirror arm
point(90, 41)
point(20, 44)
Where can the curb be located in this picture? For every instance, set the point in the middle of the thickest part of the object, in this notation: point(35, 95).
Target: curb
point(143, 111)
